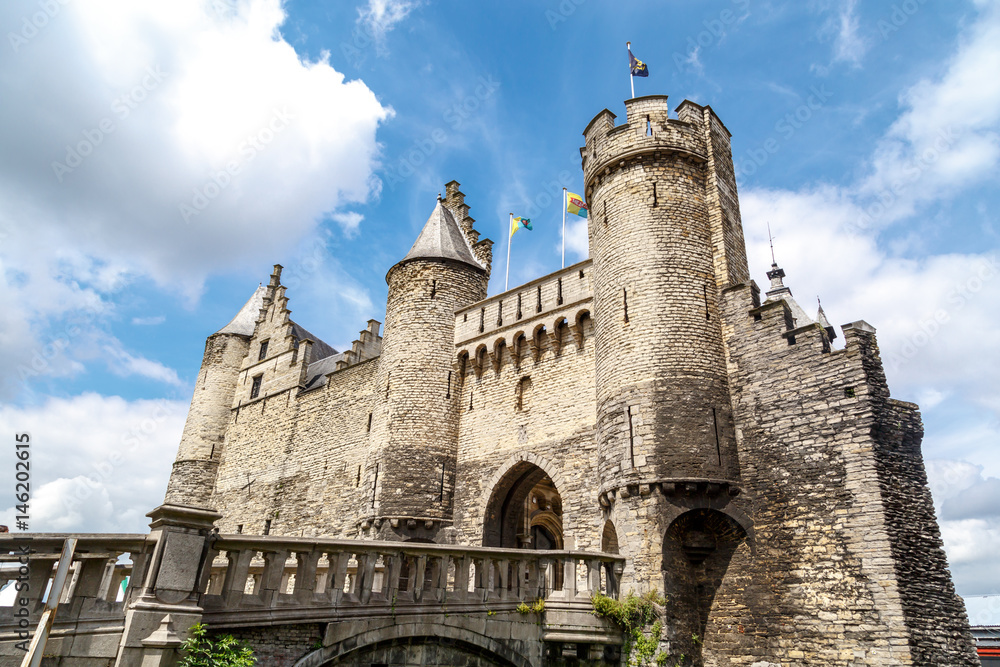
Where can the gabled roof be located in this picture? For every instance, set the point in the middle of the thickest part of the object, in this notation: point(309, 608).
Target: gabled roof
point(320, 349)
point(246, 320)
point(442, 238)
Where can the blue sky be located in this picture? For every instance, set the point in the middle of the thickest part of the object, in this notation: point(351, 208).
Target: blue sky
point(156, 162)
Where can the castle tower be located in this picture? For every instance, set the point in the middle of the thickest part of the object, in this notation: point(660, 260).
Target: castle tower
point(665, 238)
point(413, 444)
point(193, 476)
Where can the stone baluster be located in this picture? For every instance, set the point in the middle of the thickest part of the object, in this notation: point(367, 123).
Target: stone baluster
point(546, 577)
point(503, 579)
point(481, 581)
point(366, 576)
point(439, 577)
point(236, 576)
point(419, 573)
point(593, 576)
point(390, 582)
point(339, 562)
point(38, 579)
point(462, 565)
point(305, 576)
point(569, 587)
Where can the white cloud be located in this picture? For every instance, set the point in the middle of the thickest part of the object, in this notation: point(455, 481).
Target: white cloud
point(149, 321)
point(349, 222)
point(124, 364)
point(379, 17)
point(165, 141)
point(98, 463)
point(849, 46)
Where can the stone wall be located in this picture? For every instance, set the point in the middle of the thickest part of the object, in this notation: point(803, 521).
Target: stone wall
point(280, 646)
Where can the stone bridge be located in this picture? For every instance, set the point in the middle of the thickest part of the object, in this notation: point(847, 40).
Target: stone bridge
point(305, 602)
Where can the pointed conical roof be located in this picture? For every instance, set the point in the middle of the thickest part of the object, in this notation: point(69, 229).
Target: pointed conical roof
point(779, 292)
point(245, 320)
point(442, 238)
point(825, 323)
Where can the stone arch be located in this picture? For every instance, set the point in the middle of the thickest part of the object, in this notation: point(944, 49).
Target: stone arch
point(518, 342)
point(479, 360)
point(499, 345)
point(508, 519)
point(609, 538)
point(433, 633)
point(538, 341)
point(697, 548)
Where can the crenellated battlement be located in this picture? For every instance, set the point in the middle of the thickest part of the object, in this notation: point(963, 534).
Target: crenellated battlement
point(648, 131)
point(544, 302)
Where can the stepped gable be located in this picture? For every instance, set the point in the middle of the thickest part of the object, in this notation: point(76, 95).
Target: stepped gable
point(442, 238)
point(245, 321)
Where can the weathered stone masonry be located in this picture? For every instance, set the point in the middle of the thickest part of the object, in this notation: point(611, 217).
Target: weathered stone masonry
point(644, 401)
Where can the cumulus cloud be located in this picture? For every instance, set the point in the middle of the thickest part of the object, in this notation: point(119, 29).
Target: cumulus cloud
point(98, 463)
point(164, 141)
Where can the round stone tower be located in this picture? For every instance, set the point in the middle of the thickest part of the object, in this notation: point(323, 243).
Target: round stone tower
point(192, 479)
point(410, 469)
point(665, 239)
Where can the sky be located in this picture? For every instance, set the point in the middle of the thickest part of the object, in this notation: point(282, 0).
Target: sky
point(156, 159)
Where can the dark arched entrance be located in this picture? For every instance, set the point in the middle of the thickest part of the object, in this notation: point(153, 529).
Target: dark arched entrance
point(524, 511)
point(697, 549)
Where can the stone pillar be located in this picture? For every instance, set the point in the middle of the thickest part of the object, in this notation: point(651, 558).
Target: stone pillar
point(179, 540)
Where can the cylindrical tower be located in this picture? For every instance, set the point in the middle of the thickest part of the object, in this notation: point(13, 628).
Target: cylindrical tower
point(414, 437)
point(663, 403)
point(665, 238)
point(192, 479)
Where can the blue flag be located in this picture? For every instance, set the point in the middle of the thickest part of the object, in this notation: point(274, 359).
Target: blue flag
point(636, 66)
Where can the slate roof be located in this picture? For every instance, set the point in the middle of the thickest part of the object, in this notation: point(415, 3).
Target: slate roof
point(442, 238)
point(245, 320)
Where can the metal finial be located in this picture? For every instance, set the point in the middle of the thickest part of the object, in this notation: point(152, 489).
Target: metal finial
point(771, 241)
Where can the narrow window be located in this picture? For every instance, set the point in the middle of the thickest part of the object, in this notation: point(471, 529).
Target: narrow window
point(718, 444)
point(255, 388)
point(523, 391)
point(519, 314)
point(441, 491)
point(434, 288)
point(482, 320)
point(654, 194)
point(500, 313)
point(791, 340)
point(631, 436)
point(649, 127)
point(625, 303)
point(538, 300)
point(448, 394)
point(357, 482)
point(708, 317)
point(267, 526)
point(263, 351)
point(465, 317)
point(581, 273)
point(239, 529)
point(605, 212)
point(470, 401)
point(375, 484)
point(559, 298)
point(369, 430)
point(388, 376)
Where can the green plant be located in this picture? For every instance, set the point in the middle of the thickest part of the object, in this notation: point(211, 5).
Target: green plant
point(537, 608)
point(223, 651)
point(696, 639)
point(633, 615)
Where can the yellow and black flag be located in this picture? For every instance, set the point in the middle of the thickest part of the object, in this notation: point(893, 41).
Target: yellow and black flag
point(636, 66)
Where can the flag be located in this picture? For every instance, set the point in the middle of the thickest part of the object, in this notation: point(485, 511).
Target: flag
point(636, 66)
point(575, 205)
point(519, 223)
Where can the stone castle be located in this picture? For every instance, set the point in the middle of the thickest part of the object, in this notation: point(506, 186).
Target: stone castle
point(645, 403)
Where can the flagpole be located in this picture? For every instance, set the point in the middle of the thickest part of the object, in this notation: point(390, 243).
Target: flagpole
point(564, 230)
point(510, 237)
point(631, 79)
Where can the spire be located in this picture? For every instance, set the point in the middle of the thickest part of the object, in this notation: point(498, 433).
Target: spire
point(825, 323)
point(779, 292)
point(245, 321)
point(442, 238)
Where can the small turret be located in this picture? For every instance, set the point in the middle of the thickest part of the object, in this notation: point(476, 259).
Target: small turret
point(192, 479)
point(413, 447)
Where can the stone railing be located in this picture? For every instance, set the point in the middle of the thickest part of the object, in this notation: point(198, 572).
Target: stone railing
point(268, 579)
point(92, 605)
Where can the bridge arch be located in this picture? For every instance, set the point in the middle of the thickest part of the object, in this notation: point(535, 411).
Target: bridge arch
point(352, 650)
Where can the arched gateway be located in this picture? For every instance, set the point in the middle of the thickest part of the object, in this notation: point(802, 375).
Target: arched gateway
point(524, 510)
